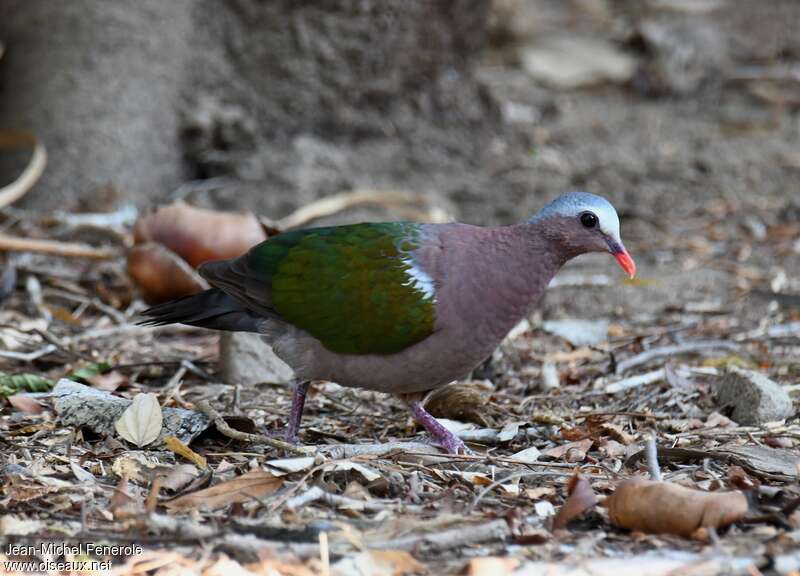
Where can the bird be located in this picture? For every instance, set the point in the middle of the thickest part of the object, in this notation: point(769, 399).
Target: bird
point(395, 307)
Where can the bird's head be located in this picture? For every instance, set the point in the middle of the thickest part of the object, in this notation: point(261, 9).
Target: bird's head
point(581, 222)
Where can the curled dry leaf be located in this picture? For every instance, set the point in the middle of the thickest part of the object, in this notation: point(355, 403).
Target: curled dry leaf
point(198, 235)
point(462, 402)
point(182, 449)
point(662, 507)
point(580, 498)
point(141, 422)
point(25, 404)
point(254, 484)
point(161, 274)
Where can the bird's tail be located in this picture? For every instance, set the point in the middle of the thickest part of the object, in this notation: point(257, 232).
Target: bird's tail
point(209, 309)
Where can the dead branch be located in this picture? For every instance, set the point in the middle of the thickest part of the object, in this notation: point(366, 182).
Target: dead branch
point(55, 248)
point(225, 430)
point(699, 346)
point(448, 539)
point(651, 452)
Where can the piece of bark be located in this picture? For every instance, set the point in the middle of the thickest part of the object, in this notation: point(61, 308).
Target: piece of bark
point(97, 410)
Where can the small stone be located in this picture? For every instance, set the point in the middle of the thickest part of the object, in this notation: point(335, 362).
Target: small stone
point(755, 399)
point(247, 359)
point(579, 332)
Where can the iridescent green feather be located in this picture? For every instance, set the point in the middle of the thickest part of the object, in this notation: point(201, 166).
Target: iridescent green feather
point(348, 286)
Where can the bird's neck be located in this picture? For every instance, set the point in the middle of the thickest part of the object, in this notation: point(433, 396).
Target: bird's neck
point(511, 268)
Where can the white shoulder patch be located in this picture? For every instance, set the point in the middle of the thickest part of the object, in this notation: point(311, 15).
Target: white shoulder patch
point(419, 279)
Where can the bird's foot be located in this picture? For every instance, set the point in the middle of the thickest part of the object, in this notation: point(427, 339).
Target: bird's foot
point(441, 435)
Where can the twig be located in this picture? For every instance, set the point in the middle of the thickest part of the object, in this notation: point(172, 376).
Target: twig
point(316, 493)
point(635, 381)
point(54, 248)
point(651, 453)
point(654, 353)
point(28, 356)
point(225, 430)
point(338, 202)
point(32, 172)
point(448, 539)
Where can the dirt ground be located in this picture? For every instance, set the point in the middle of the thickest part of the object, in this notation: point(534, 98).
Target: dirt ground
point(707, 183)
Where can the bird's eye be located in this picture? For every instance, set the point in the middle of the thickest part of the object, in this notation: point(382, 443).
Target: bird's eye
point(589, 220)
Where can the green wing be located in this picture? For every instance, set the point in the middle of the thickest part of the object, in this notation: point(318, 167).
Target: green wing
point(351, 287)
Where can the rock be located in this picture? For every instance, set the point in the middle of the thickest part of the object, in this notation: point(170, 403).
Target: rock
point(571, 62)
point(98, 410)
point(579, 332)
point(682, 56)
point(755, 399)
point(247, 359)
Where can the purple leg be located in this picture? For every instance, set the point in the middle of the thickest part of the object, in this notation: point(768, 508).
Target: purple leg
point(298, 402)
point(440, 434)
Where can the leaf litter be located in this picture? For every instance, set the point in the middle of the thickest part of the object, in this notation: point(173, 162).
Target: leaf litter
point(556, 425)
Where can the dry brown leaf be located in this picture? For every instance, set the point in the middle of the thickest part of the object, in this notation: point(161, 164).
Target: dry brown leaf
point(571, 451)
point(109, 381)
point(462, 402)
point(198, 235)
point(254, 484)
point(581, 498)
point(182, 449)
point(25, 404)
point(179, 477)
point(617, 433)
point(141, 422)
point(160, 274)
point(662, 507)
point(122, 503)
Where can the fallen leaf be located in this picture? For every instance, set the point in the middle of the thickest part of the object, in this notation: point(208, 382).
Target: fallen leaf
point(25, 404)
point(612, 449)
point(122, 504)
point(179, 477)
point(162, 275)
point(109, 381)
point(528, 455)
point(254, 484)
point(83, 373)
point(580, 498)
point(141, 422)
point(182, 449)
point(463, 402)
point(14, 383)
point(571, 451)
point(82, 475)
point(187, 231)
point(617, 433)
point(662, 507)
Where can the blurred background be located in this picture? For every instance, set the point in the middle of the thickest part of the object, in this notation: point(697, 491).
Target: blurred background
point(290, 113)
point(683, 112)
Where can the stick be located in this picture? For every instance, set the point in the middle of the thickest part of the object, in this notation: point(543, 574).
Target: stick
point(448, 539)
point(66, 249)
point(338, 202)
point(654, 353)
point(10, 139)
point(229, 432)
point(651, 453)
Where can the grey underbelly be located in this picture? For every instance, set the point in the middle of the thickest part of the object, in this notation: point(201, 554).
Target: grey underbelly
point(429, 364)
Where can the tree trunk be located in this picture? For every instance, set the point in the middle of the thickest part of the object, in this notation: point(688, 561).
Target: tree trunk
point(292, 99)
point(99, 82)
